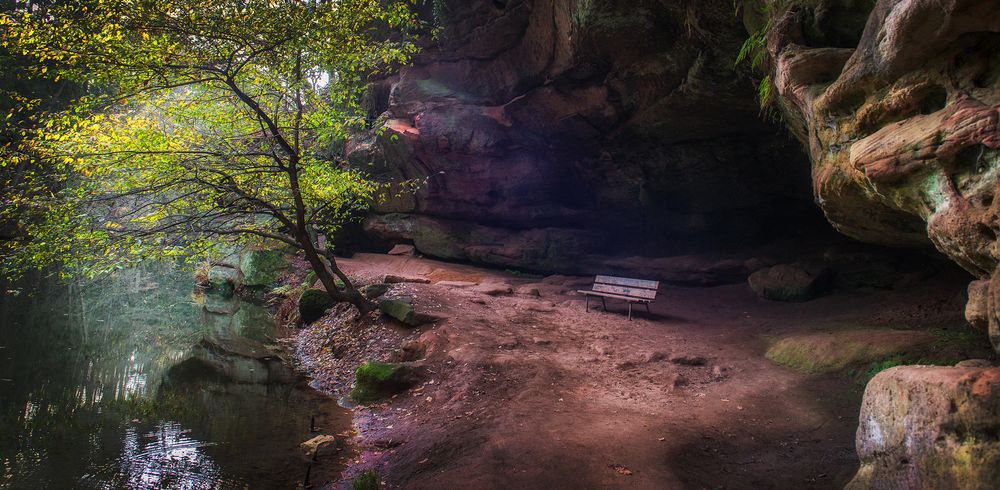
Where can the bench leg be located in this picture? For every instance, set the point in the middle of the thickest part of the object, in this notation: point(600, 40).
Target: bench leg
point(647, 309)
point(605, 303)
point(629, 311)
point(587, 308)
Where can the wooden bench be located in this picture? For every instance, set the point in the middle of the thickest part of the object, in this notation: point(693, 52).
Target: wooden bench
point(630, 290)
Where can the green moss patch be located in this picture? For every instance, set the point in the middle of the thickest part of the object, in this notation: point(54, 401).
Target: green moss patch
point(377, 380)
point(866, 352)
point(822, 352)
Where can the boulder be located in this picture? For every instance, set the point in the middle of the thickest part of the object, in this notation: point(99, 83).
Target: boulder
point(930, 427)
point(262, 267)
point(224, 279)
point(377, 380)
point(313, 304)
point(789, 282)
point(231, 359)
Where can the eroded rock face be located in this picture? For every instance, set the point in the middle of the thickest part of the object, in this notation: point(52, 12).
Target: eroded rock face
point(551, 130)
point(930, 427)
point(901, 122)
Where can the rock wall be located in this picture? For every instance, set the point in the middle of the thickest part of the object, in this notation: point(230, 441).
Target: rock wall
point(556, 134)
point(900, 116)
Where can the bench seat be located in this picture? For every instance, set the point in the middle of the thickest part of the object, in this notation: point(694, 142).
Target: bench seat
point(623, 288)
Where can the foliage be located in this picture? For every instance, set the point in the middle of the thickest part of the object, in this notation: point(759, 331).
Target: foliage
point(377, 380)
point(367, 480)
point(755, 50)
point(212, 125)
point(312, 304)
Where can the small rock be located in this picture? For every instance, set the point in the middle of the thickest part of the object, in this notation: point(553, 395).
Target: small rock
point(478, 301)
point(674, 381)
point(508, 344)
point(688, 360)
point(656, 356)
point(403, 249)
point(625, 365)
point(975, 363)
point(313, 447)
point(456, 284)
point(494, 289)
point(393, 279)
point(528, 290)
point(557, 280)
point(540, 341)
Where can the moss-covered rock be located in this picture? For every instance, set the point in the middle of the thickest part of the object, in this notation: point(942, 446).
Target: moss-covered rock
point(930, 427)
point(223, 280)
point(373, 291)
point(789, 282)
point(312, 305)
point(403, 311)
point(377, 380)
point(262, 267)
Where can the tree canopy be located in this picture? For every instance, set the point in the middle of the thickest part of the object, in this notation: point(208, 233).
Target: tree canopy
point(205, 122)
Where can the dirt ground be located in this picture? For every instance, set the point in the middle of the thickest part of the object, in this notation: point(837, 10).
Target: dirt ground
point(525, 389)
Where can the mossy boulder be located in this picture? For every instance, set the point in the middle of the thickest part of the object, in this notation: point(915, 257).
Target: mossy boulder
point(312, 305)
point(930, 427)
point(262, 267)
point(223, 280)
point(377, 380)
point(403, 311)
point(373, 291)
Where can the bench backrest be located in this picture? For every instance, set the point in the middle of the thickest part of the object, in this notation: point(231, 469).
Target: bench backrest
point(637, 288)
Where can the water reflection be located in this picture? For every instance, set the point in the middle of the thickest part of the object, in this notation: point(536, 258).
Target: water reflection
point(133, 382)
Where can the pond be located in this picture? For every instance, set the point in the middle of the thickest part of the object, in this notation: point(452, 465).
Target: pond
point(139, 381)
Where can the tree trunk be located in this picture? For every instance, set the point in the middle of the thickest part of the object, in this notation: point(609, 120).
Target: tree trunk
point(323, 270)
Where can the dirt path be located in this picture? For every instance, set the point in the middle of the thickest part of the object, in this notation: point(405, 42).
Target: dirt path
point(527, 390)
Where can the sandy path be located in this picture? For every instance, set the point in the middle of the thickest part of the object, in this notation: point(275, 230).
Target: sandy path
point(526, 391)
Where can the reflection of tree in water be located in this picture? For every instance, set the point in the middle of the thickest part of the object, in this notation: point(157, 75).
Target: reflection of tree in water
point(83, 359)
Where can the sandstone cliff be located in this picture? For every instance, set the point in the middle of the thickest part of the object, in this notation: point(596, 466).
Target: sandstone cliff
point(581, 135)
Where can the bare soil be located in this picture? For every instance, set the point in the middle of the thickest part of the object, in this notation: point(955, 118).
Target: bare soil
point(528, 390)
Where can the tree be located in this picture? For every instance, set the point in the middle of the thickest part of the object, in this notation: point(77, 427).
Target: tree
point(214, 121)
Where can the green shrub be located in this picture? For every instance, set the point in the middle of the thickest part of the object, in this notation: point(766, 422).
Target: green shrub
point(367, 480)
point(377, 380)
point(312, 305)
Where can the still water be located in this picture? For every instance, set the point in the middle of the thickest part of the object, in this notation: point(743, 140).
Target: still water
point(136, 381)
